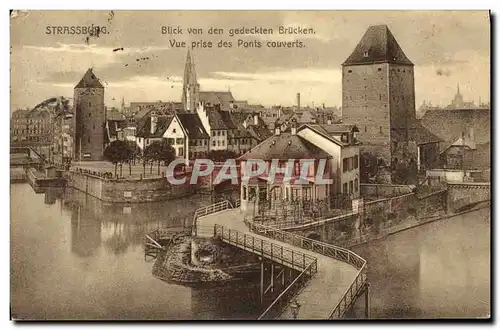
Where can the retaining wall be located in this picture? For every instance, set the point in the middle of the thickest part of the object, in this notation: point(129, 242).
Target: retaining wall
point(128, 190)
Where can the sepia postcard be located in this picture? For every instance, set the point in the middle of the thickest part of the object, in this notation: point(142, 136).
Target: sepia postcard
point(250, 165)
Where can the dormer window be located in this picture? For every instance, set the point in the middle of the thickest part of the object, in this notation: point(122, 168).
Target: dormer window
point(365, 53)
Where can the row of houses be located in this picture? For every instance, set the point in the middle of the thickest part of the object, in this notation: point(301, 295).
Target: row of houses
point(191, 134)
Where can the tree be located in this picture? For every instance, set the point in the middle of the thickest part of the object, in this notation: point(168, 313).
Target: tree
point(117, 152)
point(151, 153)
point(134, 152)
point(166, 154)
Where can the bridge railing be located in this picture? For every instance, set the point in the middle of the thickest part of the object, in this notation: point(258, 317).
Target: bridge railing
point(209, 209)
point(306, 264)
point(332, 251)
point(275, 252)
point(213, 208)
point(284, 298)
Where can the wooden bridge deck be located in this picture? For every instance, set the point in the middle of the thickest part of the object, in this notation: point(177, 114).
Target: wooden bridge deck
point(321, 294)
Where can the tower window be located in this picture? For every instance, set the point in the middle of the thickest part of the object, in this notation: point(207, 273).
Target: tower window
point(90, 114)
point(380, 128)
point(379, 69)
point(366, 129)
point(90, 104)
point(350, 71)
point(380, 97)
point(399, 70)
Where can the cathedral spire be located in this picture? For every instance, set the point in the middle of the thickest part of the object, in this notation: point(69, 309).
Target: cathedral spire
point(191, 88)
point(458, 88)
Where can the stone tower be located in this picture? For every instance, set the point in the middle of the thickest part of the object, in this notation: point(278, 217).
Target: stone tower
point(378, 96)
point(89, 117)
point(190, 88)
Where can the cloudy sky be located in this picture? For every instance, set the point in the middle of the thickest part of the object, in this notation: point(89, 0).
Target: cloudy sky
point(447, 47)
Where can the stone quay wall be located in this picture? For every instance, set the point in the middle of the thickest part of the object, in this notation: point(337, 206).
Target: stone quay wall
point(128, 190)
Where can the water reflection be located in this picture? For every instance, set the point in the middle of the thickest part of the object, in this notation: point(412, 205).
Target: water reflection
point(238, 300)
point(80, 258)
point(120, 226)
point(437, 270)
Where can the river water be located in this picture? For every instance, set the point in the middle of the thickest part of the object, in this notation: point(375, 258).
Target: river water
point(75, 257)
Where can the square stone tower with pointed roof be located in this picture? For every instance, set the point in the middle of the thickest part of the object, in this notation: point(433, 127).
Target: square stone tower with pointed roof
point(378, 95)
point(89, 118)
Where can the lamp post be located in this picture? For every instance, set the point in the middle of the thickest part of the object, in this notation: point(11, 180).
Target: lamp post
point(295, 307)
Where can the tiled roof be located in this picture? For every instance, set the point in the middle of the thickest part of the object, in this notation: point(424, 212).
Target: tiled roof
point(321, 130)
point(449, 124)
point(228, 119)
point(144, 127)
point(162, 108)
point(377, 45)
point(422, 135)
point(285, 146)
point(215, 118)
point(89, 80)
point(259, 132)
point(193, 126)
point(222, 98)
point(114, 115)
point(339, 128)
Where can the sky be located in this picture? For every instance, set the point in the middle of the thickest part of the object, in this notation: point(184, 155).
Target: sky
point(447, 48)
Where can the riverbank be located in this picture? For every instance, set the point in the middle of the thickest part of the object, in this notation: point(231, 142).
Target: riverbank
point(128, 190)
point(365, 239)
point(191, 261)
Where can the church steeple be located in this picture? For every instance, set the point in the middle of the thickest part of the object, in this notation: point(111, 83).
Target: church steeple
point(458, 100)
point(191, 88)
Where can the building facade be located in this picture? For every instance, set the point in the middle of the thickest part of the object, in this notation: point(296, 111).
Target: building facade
point(378, 95)
point(89, 115)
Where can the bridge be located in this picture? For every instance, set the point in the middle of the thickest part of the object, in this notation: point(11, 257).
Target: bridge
point(462, 195)
point(24, 157)
point(329, 278)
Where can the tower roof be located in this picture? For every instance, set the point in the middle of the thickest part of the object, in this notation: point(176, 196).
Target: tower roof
point(189, 70)
point(89, 80)
point(377, 45)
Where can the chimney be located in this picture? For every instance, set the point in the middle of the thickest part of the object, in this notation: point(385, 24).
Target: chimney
point(298, 100)
point(329, 120)
point(256, 119)
point(154, 122)
point(323, 105)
